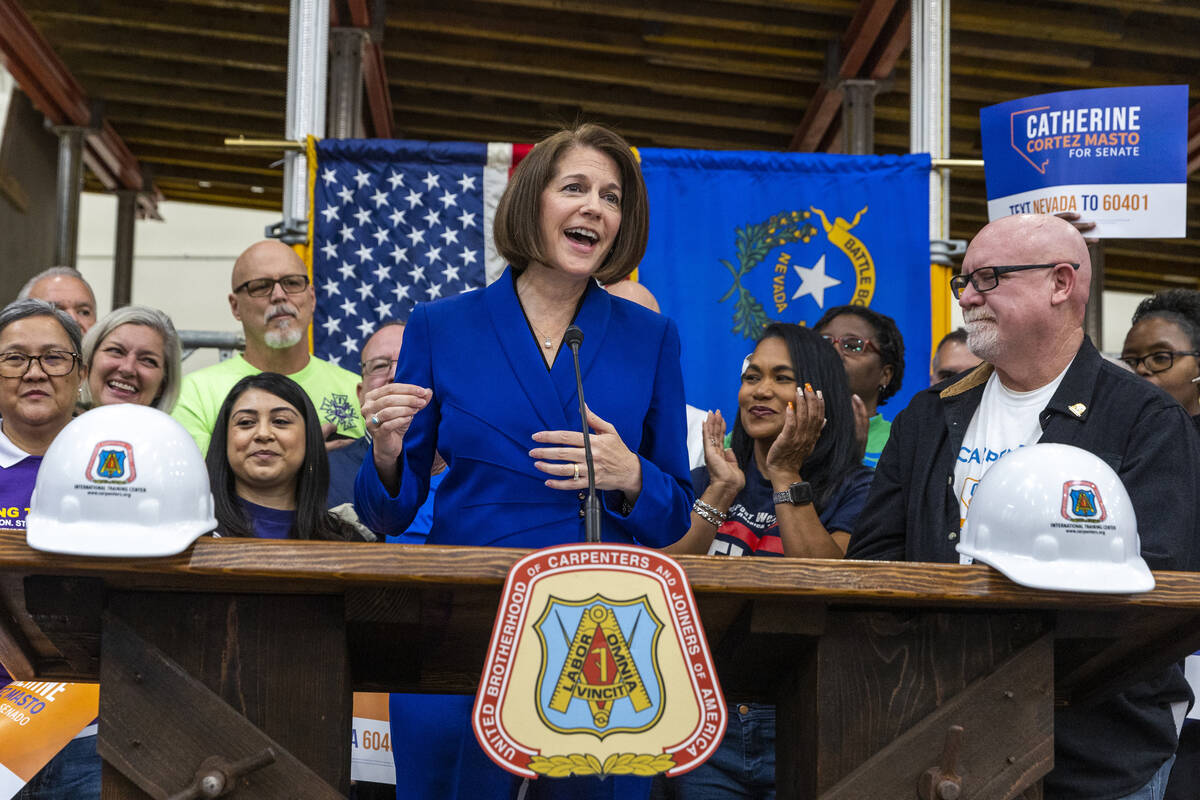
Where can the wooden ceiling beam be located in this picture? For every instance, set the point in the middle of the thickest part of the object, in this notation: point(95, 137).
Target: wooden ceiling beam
point(184, 154)
point(177, 47)
point(174, 174)
point(194, 123)
point(1167, 8)
point(43, 75)
point(536, 122)
point(1090, 26)
point(589, 71)
point(770, 21)
point(159, 72)
point(455, 87)
point(214, 100)
point(155, 17)
point(614, 37)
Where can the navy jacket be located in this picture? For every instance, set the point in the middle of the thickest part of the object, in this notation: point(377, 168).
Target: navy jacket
point(1113, 747)
point(492, 392)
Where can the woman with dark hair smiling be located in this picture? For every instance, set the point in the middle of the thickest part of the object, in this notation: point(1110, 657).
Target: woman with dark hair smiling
point(270, 478)
point(790, 484)
point(485, 380)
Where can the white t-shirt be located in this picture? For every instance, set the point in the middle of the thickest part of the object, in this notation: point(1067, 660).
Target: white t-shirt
point(1004, 421)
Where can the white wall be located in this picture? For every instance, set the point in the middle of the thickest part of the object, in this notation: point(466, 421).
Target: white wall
point(181, 265)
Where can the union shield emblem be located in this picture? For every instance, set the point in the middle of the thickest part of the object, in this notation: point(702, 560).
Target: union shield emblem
point(111, 462)
point(599, 668)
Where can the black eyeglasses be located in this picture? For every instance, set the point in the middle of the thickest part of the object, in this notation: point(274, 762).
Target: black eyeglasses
point(1160, 361)
point(55, 363)
point(261, 287)
point(851, 344)
point(985, 279)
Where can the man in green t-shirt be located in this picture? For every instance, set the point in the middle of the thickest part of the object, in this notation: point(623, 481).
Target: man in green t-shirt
point(273, 299)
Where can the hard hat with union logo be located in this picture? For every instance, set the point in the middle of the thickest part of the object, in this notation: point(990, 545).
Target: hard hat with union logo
point(120, 480)
point(1053, 516)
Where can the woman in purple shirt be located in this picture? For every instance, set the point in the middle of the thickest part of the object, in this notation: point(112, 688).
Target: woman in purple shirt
point(270, 479)
point(40, 375)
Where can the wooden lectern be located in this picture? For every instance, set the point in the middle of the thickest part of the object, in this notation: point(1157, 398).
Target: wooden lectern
point(232, 664)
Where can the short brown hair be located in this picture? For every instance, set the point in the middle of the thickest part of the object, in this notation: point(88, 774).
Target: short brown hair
point(517, 228)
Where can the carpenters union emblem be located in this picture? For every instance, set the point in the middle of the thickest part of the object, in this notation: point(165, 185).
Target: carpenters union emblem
point(598, 666)
point(599, 670)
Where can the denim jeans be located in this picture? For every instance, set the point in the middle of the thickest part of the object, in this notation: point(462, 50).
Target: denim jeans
point(1156, 787)
point(73, 774)
point(743, 765)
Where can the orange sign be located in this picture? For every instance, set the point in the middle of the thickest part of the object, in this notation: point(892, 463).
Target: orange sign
point(37, 719)
point(598, 665)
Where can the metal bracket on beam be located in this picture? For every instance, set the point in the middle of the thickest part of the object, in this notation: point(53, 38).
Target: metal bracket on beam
point(944, 251)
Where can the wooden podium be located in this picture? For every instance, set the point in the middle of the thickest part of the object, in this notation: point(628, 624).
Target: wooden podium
point(232, 664)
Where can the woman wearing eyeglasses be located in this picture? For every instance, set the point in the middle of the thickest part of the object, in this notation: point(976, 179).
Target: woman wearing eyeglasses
point(272, 297)
point(40, 375)
point(1163, 346)
point(872, 351)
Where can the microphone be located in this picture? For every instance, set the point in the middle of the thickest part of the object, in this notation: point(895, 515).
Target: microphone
point(573, 339)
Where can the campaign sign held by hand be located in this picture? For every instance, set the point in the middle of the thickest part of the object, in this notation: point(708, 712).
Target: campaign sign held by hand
point(1117, 157)
point(598, 665)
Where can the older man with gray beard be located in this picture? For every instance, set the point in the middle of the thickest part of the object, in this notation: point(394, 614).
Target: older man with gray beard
point(273, 299)
point(1023, 290)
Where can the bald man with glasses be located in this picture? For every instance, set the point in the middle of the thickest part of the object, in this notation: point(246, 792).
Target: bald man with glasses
point(271, 296)
point(1023, 290)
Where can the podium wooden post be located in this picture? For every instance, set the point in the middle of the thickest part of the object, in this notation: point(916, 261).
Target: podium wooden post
point(236, 659)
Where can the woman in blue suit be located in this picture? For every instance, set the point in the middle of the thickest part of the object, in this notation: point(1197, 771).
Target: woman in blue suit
point(485, 380)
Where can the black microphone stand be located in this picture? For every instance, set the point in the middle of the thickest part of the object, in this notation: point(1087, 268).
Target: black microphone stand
point(573, 339)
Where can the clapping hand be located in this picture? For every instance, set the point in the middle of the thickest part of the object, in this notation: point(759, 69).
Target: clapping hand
point(724, 474)
point(803, 422)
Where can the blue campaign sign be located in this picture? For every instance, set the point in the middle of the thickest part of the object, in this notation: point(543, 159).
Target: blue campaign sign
point(1118, 157)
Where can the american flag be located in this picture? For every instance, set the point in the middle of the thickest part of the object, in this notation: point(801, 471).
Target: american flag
point(396, 223)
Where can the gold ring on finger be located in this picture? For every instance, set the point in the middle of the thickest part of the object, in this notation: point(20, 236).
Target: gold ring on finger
point(576, 467)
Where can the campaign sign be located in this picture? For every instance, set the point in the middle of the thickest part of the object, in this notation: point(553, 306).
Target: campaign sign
point(371, 739)
point(37, 720)
point(598, 665)
point(1116, 157)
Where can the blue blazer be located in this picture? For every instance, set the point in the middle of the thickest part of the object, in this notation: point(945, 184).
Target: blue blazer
point(492, 392)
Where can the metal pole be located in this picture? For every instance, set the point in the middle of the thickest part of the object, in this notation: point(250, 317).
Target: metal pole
point(929, 118)
point(346, 82)
point(70, 183)
point(1093, 317)
point(858, 116)
point(123, 248)
point(308, 52)
point(930, 102)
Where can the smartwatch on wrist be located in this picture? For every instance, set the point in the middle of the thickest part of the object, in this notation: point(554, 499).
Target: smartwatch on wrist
point(798, 494)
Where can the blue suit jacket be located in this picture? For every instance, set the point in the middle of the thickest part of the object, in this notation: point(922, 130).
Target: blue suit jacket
point(492, 392)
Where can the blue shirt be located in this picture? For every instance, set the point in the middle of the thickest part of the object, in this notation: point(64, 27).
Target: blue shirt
point(268, 523)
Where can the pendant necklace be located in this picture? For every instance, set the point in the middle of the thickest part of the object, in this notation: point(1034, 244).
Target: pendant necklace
point(547, 342)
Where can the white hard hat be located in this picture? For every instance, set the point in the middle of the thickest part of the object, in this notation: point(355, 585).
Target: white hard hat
point(120, 480)
point(1053, 516)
